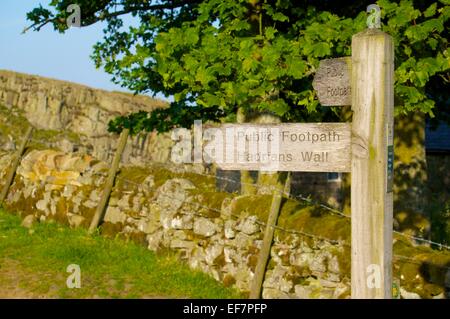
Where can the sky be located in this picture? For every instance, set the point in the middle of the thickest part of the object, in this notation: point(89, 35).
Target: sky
point(47, 52)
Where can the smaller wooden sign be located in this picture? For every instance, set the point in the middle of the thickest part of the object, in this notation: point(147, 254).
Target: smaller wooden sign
point(332, 82)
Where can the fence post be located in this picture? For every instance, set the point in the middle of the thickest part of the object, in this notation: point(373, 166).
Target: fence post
point(264, 253)
point(101, 208)
point(16, 161)
point(372, 164)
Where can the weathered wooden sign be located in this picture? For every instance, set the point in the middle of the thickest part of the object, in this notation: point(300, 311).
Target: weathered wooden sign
point(332, 82)
point(308, 147)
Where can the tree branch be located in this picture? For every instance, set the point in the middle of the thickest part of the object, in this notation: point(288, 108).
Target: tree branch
point(172, 5)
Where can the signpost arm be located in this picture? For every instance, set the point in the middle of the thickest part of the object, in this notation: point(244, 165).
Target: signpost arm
point(372, 157)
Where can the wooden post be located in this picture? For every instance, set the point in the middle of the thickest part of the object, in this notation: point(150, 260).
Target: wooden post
point(372, 159)
point(100, 211)
point(15, 164)
point(264, 253)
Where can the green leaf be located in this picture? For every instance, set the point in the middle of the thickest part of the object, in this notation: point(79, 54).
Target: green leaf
point(296, 67)
point(208, 100)
point(321, 49)
point(270, 33)
point(191, 36)
point(430, 11)
point(280, 17)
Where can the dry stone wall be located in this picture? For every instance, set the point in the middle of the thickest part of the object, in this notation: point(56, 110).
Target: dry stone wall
point(59, 105)
point(218, 233)
point(170, 214)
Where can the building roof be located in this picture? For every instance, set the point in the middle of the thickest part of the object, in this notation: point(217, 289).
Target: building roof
point(437, 139)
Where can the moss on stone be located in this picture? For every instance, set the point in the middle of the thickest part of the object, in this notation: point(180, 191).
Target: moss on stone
point(60, 217)
point(297, 216)
point(344, 260)
point(24, 205)
point(422, 270)
point(210, 199)
point(271, 264)
point(135, 174)
point(252, 261)
point(316, 221)
point(161, 175)
point(110, 229)
point(62, 206)
point(301, 273)
point(54, 136)
point(191, 236)
point(132, 213)
point(258, 205)
point(200, 181)
point(137, 237)
point(220, 260)
point(14, 123)
point(228, 280)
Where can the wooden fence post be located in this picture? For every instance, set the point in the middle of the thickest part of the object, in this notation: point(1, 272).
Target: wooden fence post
point(264, 253)
point(16, 161)
point(372, 164)
point(101, 208)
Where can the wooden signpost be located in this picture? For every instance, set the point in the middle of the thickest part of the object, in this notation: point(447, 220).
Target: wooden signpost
point(364, 148)
point(372, 150)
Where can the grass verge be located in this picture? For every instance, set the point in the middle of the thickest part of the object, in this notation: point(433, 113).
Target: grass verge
point(109, 268)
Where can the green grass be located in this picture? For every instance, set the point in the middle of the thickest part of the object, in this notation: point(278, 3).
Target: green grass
point(109, 268)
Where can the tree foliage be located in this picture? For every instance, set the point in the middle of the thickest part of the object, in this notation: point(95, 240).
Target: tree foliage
point(215, 56)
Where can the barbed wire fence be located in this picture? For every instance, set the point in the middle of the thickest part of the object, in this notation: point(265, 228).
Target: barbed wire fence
point(301, 197)
point(297, 197)
point(306, 199)
point(287, 230)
